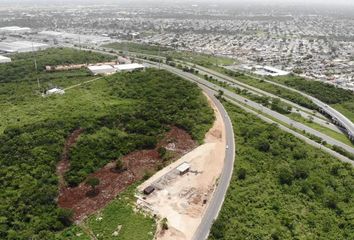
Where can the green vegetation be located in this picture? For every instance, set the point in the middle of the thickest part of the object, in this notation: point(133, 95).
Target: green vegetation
point(119, 114)
point(201, 59)
point(138, 48)
point(205, 60)
point(271, 88)
point(118, 220)
point(327, 93)
point(283, 188)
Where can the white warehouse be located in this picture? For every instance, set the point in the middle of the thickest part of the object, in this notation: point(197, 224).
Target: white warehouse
point(21, 46)
point(4, 59)
point(129, 67)
point(15, 30)
point(102, 70)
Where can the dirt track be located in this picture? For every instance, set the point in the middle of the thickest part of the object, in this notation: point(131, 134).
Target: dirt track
point(182, 199)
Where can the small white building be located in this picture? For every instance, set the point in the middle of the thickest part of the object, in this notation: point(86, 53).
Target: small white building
point(183, 168)
point(102, 70)
point(270, 71)
point(4, 59)
point(129, 67)
point(55, 91)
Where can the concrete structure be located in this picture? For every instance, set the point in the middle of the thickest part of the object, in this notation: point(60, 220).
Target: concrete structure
point(129, 67)
point(102, 70)
point(149, 190)
point(21, 46)
point(270, 71)
point(4, 59)
point(183, 168)
point(55, 91)
point(15, 30)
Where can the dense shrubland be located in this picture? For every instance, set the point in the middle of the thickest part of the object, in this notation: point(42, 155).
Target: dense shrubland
point(283, 188)
point(119, 114)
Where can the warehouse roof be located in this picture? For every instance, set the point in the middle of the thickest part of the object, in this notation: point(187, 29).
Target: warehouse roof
point(19, 46)
point(129, 67)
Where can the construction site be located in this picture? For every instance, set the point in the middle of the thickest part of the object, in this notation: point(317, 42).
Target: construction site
point(180, 192)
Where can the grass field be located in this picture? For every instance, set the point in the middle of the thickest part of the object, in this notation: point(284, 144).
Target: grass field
point(138, 47)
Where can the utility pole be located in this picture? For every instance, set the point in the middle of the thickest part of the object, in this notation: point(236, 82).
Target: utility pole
point(35, 66)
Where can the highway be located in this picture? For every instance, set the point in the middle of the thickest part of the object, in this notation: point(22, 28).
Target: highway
point(336, 116)
point(258, 107)
point(218, 197)
point(304, 112)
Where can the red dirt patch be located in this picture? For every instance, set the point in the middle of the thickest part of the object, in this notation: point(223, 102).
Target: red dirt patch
point(64, 164)
point(112, 182)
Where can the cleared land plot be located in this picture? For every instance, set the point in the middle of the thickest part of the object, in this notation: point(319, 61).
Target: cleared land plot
point(182, 199)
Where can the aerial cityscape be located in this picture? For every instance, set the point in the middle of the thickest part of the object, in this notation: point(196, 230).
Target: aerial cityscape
point(178, 120)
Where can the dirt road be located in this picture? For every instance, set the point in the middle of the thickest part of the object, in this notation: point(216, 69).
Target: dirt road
point(183, 199)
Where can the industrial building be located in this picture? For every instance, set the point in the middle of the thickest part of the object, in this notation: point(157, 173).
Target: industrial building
point(4, 59)
point(21, 46)
point(270, 71)
point(102, 70)
point(129, 67)
point(14, 30)
point(183, 168)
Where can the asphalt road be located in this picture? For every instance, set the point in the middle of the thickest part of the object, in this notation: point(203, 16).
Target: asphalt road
point(304, 112)
point(336, 115)
point(218, 197)
point(259, 107)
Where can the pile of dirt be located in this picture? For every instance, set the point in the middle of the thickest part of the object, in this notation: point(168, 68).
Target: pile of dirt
point(113, 182)
point(178, 140)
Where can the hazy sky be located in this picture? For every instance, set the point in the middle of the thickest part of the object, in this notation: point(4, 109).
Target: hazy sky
point(233, 2)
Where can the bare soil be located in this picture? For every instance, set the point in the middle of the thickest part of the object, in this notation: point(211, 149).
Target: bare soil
point(64, 164)
point(182, 200)
point(112, 182)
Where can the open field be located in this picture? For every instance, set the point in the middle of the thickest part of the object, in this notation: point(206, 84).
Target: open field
point(193, 57)
point(118, 115)
point(182, 200)
point(283, 188)
point(118, 220)
point(138, 47)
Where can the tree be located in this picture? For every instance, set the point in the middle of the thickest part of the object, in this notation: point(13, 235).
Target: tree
point(120, 165)
point(65, 216)
point(164, 224)
point(93, 183)
point(285, 176)
point(241, 174)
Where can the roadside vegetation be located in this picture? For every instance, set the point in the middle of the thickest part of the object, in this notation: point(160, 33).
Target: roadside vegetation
point(283, 188)
point(119, 114)
point(117, 220)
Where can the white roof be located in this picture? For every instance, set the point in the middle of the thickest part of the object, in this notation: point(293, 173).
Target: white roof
point(51, 33)
point(183, 167)
point(5, 58)
point(14, 28)
point(101, 67)
point(55, 90)
point(21, 45)
point(276, 71)
point(132, 66)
